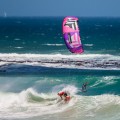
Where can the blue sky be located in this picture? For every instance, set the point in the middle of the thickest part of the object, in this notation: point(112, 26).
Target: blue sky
point(60, 8)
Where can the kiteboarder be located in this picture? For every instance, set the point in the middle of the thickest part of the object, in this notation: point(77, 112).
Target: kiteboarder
point(84, 87)
point(64, 96)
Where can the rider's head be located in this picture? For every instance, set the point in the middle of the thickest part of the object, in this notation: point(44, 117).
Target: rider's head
point(65, 94)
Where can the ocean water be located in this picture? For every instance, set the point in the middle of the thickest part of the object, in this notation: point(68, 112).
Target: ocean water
point(35, 65)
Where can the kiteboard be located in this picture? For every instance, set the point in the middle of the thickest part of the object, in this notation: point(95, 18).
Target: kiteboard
point(71, 35)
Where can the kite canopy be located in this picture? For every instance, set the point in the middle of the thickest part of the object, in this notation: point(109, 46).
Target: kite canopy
point(71, 35)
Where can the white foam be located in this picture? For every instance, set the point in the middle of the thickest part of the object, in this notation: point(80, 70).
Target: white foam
point(29, 103)
point(97, 107)
point(72, 90)
point(85, 61)
point(54, 44)
point(57, 56)
point(89, 45)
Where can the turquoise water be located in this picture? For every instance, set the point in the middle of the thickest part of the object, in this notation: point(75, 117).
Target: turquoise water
point(35, 65)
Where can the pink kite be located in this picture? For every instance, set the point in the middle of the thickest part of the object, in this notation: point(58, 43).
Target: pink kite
point(71, 35)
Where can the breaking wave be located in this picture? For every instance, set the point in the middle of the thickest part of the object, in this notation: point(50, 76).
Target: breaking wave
point(30, 103)
point(34, 62)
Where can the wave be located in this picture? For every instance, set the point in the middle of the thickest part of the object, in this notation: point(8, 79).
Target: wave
point(99, 107)
point(105, 81)
point(12, 62)
point(29, 103)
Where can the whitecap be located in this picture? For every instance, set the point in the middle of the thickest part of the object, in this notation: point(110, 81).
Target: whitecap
point(19, 47)
point(53, 44)
point(89, 45)
point(17, 39)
